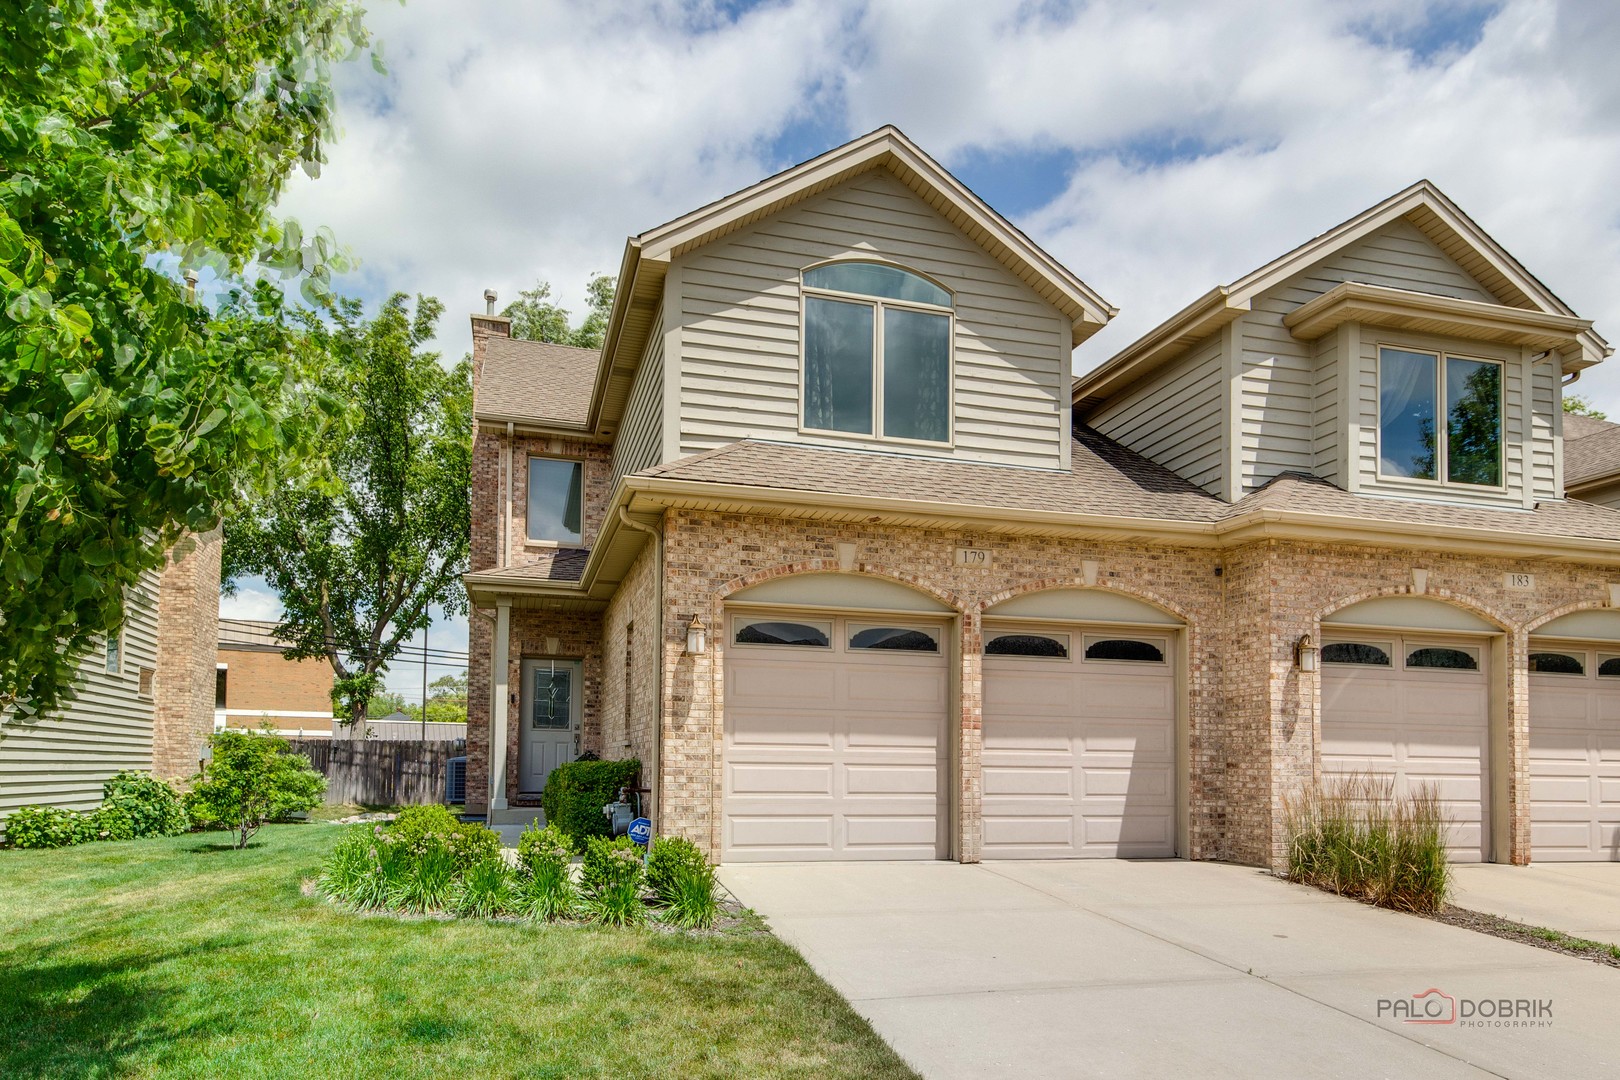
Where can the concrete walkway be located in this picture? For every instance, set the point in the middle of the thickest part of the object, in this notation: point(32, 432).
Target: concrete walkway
point(1582, 899)
point(1121, 969)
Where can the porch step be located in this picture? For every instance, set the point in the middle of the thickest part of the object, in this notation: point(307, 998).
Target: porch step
point(511, 822)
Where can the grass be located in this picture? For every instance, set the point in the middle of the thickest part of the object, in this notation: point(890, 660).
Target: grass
point(182, 958)
point(1540, 936)
point(1357, 837)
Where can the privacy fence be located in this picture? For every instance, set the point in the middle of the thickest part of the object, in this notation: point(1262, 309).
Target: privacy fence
point(381, 772)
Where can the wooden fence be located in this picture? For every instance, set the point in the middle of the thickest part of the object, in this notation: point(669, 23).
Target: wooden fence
point(381, 772)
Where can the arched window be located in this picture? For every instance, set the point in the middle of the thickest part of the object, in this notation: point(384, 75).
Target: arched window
point(1437, 657)
point(1354, 652)
point(1053, 645)
point(877, 352)
point(1128, 649)
point(782, 632)
point(1557, 663)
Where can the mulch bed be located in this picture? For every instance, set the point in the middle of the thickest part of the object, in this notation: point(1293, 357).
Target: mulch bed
point(1497, 926)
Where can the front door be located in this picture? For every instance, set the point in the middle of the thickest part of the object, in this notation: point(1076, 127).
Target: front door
point(551, 691)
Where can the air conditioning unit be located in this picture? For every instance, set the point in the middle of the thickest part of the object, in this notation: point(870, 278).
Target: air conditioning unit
point(455, 781)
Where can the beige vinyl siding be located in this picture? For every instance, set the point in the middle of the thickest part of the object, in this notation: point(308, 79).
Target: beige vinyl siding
point(1327, 438)
point(63, 759)
point(1289, 397)
point(641, 437)
point(1546, 401)
point(1603, 496)
point(1175, 417)
point(738, 321)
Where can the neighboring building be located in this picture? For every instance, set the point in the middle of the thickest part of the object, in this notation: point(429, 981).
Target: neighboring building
point(254, 684)
point(143, 698)
point(1592, 460)
point(825, 536)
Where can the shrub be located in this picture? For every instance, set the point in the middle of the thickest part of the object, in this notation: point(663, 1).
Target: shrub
point(252, 779)
point(46, 827)
point(1355, 837)
point(670, 855)
point(486, 888)
point(351, 862)
point(612, 879)
point(545, 890)
point(421, 827)
point(692, 901)
point(428, 882)
point(576, 791)
point(151, 806)
point(110, 822)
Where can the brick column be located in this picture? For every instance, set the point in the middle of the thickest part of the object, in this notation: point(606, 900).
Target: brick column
point(499, 696)
point(970, 749)
point(187, 649)
point(1517, 763)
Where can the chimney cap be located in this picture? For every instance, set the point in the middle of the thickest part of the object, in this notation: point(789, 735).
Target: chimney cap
point(489, 301)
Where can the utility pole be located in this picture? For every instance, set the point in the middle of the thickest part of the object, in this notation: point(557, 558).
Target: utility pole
point(424, 683)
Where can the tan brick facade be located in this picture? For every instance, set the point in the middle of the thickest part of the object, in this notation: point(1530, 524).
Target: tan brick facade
point(261, 685)
point(188, 627)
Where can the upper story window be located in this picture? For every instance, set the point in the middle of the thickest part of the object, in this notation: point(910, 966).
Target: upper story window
point(877, 353)
point(1417, 391)
point(115, 652)
point(556, 495)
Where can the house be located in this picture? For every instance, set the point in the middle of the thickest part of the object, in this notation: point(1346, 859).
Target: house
point(1592, 460)
point(143, 699)
point(829, 539)
point(254, 684)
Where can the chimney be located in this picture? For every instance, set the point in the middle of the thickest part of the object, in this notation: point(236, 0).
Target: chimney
point(484, 327)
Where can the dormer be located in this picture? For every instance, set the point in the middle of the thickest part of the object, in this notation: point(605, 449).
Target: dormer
point(1402, 353)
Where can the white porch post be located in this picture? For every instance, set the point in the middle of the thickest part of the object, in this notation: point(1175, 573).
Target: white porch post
point(500, 692)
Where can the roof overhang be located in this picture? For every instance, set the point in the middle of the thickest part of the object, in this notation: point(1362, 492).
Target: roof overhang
point(529, 425)
point(1192, 324)
point(646, 499)
point(1377, 305)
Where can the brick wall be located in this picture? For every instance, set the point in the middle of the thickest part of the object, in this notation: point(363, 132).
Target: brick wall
point(270, 686)
point(630, 667)
point(188, 628)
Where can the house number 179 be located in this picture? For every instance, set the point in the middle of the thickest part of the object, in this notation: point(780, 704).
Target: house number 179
point(972, 557)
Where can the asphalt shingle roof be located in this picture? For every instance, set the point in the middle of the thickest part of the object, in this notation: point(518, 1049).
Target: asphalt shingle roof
point(1591, 448)
point(535, 380)
point(561, 564)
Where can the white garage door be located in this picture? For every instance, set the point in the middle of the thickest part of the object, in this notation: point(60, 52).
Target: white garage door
point(834, 739)
point(1079, 743)
point(1574, 753)
point(1418, 710)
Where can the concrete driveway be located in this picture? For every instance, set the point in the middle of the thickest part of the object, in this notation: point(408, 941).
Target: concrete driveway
point(1118, 969)
point(1582, 899)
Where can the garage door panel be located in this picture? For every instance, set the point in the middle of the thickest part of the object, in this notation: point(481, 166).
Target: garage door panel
point(1571, 791)
point(1548, 747)
point(1029, 690)
point(1461, 746)
point(1029, 780)
point(894, 732)
point(756, 683)
point(1123, 696)
point(909, 688)
point(1150, 742)
point(771, 779)
point(1127, 781)
point(752, 728)
point(1138, 832)
point(1051, 833)
point(780, 831)
point(891, 779)
point(892, 833)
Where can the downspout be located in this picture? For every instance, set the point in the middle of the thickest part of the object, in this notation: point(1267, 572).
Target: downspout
point(655, 774)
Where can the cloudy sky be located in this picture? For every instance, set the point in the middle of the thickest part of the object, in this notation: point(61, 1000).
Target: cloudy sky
point(1157, 149)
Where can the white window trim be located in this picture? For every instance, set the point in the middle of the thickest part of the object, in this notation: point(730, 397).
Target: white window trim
point(878, 303)
point(531, 542)
point(1442, 441)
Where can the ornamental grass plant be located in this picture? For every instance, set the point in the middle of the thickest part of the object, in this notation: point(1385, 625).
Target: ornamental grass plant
point(1356, 836)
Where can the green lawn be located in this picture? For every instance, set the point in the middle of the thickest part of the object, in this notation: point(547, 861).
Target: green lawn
point(183, 958)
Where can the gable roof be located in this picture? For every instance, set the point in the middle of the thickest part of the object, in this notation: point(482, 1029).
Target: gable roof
point(647, 256)
point(1591, 450)
point(1423, 205)
point(535, 382)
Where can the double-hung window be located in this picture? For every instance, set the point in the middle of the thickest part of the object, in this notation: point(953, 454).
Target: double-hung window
point(555, 497)
point(1439, 417)
point(877, 353)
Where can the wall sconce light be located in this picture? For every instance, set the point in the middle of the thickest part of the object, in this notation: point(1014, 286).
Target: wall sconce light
point(697, 637)
point(1305, 654)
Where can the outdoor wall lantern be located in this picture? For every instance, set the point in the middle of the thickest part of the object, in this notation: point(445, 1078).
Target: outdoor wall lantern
point(1305, 654)
point(697, 637)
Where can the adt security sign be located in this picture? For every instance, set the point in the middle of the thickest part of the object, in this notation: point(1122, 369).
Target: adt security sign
point(641, 831)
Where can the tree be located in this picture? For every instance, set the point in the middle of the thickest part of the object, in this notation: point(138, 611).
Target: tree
point(364, 542)
point(137, 139)
point(252, 778)
point(1582, 406)
point(536, 317)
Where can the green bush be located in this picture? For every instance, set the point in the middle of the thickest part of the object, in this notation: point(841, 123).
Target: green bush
point(421, 827)
point(576, 791)
point(1355, 837)
point(428, 882)
point(250, 780)
point(110, 822)
point(485, 889)
point(612, 880)
point(692, 901)
point(545, 889)
point(352, 862)
point(46, 827)
point(151, 807)
point(669, 857)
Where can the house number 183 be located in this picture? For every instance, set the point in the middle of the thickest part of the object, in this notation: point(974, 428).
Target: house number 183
point(1520, 581)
